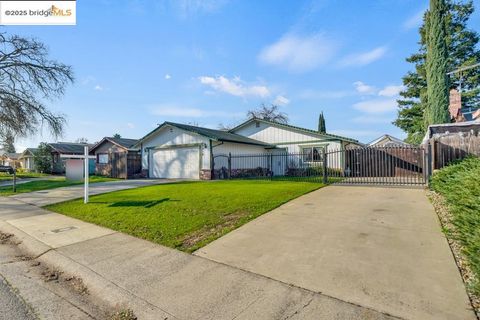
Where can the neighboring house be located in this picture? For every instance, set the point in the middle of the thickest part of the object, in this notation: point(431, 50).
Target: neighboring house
point(452, 141)
point(67, 148)
point(388, 141)
point(176, 150)
point(26, 159)
point(10, 159)
point(115, 157)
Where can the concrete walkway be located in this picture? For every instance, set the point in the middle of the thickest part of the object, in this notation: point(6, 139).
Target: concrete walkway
point(155, 281)
point(380, 248)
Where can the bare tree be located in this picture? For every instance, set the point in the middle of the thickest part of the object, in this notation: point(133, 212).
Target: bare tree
point(81, 140)
point(28, 78)
point(270, 113)
point(224, 127)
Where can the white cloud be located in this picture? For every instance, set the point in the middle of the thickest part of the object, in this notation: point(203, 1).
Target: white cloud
point(98, 88)
point(281, 100)
point(414, 21)
point(234, 86)
point(376, 106)
point(167, 76)
point(130, 125)
point(363, 88)
point(299, 53)
point(391, 91)
point(364, 58)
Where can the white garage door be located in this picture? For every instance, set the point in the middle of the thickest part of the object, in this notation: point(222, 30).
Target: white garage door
point(175, 163)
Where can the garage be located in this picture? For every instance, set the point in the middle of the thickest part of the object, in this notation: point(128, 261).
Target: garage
point(175, 163)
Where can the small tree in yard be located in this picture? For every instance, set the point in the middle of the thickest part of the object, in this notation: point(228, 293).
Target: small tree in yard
point(268, 113)
point(42, 158)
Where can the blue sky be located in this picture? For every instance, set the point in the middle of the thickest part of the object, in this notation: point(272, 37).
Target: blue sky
point(139, 63)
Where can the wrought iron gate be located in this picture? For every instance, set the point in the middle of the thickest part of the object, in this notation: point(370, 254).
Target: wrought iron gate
point(373, 165)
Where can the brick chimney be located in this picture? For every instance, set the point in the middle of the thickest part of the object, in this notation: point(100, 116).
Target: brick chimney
point(455, 104)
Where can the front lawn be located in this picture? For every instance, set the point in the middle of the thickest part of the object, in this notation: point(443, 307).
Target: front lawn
point(6, 176)
point(185, 215)
point(48, 184)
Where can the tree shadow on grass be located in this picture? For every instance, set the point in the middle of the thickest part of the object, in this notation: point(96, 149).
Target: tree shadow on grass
point(145, 204)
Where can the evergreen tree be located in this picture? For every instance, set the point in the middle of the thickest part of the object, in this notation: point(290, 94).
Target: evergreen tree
point(462, 51)
point(437, 65)
point(117, 136)
point(321, 123)
point(8, 143)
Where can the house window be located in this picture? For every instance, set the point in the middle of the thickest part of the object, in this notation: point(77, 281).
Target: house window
point(312, 154)
point(102, 158)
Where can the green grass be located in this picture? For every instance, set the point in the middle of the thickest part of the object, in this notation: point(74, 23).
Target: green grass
point(48, 184)
point(6, 176)
point(459, 184)
point(185, 215)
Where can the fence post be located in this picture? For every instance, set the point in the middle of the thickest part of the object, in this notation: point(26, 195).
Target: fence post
point(430, 159)
point(271, 166)
point(229, 165)
point(325, 174)
point(14, 180)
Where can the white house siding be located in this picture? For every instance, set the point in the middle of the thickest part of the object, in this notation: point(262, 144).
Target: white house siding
point(172, 136)
point(292, 141)
point(283, 138)
point(240, 158)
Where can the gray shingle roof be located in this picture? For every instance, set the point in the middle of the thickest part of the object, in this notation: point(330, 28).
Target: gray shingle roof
point(219, 135)
point(69, 147)
point(122, 142)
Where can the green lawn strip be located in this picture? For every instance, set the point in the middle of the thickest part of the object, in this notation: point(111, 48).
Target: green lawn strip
point(185, 215)
point(48, 184)
point(459, 184)
point(7, 176)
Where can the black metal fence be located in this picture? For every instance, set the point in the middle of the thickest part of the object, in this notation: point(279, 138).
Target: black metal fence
point(386, 165)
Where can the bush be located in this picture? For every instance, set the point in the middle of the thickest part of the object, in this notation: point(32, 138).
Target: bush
point(459, 184)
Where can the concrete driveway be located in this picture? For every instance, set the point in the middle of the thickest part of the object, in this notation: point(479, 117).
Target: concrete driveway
point(380, 248)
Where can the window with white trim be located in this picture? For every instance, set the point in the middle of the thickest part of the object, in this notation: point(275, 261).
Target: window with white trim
point(312, 154)
point(102, 158)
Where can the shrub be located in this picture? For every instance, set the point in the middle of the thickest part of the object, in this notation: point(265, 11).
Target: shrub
point(459, 184)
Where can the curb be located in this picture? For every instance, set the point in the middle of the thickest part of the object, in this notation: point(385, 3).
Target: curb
point(107, 291)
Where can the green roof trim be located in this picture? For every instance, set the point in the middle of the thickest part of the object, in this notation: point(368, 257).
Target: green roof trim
point(288, 126)
point(217, 135)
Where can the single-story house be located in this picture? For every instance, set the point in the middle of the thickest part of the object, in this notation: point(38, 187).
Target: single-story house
point(175, 150)
point(10, 159)
point(388, 141)
point(115, 157)
point(65, 149)
point(26, 159)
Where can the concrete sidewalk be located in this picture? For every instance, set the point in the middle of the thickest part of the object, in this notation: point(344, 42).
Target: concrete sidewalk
point(159, 282)
point(376, 247)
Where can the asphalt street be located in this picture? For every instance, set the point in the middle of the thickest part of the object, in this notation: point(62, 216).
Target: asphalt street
point(12, 306)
